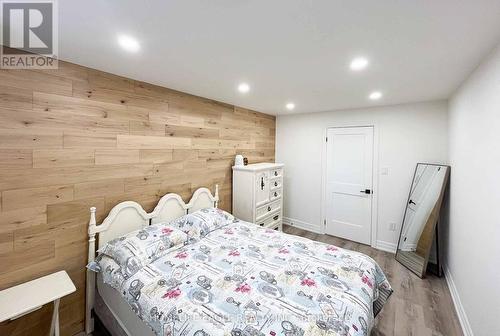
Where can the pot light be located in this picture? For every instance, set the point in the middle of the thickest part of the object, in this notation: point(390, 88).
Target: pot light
point(375, 95)
point(243, 87)
point(290, 106)
point(359, 63)
point(128, 43)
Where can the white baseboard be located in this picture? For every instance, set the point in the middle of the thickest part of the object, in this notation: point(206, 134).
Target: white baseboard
point(386, 246)
point(381, 245)
point(302, 225)
point(462, 316)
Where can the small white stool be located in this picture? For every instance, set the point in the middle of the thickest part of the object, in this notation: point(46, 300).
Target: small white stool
point(27, 297)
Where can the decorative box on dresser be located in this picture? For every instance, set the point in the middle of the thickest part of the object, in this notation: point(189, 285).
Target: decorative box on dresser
point(258, 194)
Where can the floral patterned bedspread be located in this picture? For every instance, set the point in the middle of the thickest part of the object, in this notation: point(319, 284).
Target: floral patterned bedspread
point(241, 279)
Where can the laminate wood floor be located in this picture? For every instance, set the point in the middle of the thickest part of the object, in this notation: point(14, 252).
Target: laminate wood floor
point(418, 307)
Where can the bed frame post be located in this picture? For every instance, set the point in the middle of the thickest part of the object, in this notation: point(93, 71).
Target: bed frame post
point(216, 195)
point(90, 290)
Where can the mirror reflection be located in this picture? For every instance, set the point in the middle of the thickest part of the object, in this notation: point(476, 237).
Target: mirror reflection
point(421, 216)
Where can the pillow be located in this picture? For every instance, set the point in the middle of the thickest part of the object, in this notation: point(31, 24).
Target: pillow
point(200, 223)
point(141, 247)
point(111, 272)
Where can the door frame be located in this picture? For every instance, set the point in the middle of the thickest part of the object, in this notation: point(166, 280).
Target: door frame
point(375, 177)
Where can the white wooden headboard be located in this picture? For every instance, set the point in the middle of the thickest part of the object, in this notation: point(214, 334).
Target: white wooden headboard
point(129, 216)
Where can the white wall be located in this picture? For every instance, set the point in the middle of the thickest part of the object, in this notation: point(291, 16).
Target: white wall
point(473, 237)
point(404, 134)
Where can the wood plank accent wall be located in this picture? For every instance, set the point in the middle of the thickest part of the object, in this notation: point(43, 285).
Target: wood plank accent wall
point(75, 137)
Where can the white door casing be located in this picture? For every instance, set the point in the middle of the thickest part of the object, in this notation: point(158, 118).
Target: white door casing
point(349, 174)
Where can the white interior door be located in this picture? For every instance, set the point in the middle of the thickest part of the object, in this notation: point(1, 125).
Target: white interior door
point(349, 183)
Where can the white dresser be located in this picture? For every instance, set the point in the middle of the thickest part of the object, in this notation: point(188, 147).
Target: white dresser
point(257, 194)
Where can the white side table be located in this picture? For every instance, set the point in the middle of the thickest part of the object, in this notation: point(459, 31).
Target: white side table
point(27, 297)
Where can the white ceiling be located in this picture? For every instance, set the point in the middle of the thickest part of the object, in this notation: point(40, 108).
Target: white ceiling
point(287, 50)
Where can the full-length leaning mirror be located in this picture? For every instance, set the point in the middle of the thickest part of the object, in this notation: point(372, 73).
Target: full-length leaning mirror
point(421, 216)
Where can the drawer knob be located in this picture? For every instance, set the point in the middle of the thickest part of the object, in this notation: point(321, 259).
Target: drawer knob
point(275, 194)
point(268, 208)
point(275, 184)
point(275, 173)
point(276, 217)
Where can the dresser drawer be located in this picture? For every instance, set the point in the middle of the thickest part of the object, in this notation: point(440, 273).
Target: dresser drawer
point(275, 194)
point(275, 183)
point(267, 209)
point(276, 173)
point(262, 188)
point(271, 221)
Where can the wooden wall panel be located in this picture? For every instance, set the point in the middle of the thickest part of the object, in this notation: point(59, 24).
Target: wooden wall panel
point(16, 158)
point(67, 157)
point(75, 137)
point(33, 197)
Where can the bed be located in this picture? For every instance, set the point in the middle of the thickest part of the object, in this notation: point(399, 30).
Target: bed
point(217, 275)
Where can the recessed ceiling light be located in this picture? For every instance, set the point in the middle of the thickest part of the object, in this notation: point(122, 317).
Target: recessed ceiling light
point(358, 64)
point(243, 87)
point(290, 106)
point(375, 95)
point(128, 43)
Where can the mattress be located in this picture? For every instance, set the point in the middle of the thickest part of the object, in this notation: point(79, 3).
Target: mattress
point(241, 279)
point(129, 323)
